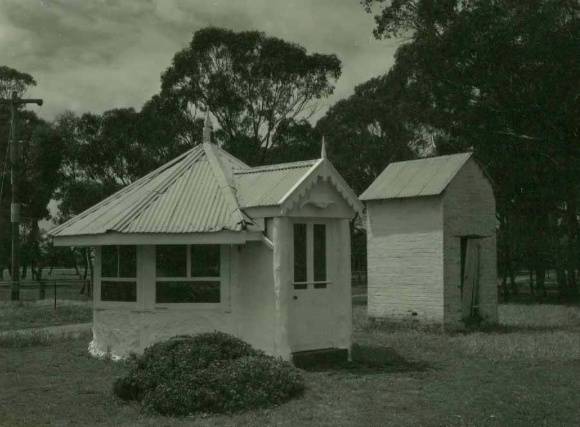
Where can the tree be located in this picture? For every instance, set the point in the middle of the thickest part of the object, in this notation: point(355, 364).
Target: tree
point(370, 129)
point(251, 83)
point(502, 77)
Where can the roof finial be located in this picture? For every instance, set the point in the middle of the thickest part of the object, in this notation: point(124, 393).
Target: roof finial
point(323, 149)
point(207, 128)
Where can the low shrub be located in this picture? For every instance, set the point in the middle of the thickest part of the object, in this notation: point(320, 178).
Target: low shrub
point(212, 372)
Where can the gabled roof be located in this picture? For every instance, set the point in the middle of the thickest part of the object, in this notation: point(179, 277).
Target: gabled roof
point(191, 193)
point(267, 185)
point(416, 178)
point(282, 184)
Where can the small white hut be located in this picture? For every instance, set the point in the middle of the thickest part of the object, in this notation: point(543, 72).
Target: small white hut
point(431, 241)
point(208, 243)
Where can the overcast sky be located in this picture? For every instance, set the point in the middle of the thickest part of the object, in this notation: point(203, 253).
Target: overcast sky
point(93, 55)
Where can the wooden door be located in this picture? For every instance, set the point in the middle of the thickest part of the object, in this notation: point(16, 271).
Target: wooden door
point(470, 282)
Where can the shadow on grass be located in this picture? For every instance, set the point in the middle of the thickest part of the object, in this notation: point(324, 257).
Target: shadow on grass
point(366, 360)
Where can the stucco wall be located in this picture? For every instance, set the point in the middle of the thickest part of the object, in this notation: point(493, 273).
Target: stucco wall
point(246, 310)
point(469, 209)
point(258, 295)
point(253, 296)
point(405, 262)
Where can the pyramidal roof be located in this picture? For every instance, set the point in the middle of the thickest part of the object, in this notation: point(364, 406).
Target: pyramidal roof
point(192, 193)
point(416, 178)
point(204, 190)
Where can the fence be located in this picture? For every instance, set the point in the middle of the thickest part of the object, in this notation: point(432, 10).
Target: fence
point(49, 289)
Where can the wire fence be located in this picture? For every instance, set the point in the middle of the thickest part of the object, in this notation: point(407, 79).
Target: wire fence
point(55, 290)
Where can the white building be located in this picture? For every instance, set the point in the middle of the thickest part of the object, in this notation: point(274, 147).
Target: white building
point(207, 243)
point(431, 241)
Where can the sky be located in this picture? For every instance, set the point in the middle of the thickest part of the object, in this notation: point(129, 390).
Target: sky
point(94, 55)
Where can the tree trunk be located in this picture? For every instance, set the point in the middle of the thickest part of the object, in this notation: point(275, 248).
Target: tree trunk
point(541, 279)
point(572, 231)
point(75, 265)
point(92, 273)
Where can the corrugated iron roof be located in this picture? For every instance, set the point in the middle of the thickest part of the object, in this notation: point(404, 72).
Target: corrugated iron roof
point(191, 193)
point(267, 185)
point(203, 190)
point(416, 178)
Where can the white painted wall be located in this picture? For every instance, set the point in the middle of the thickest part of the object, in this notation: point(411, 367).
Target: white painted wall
point(405, 261)
point(469, 209)
point(253, 296)
point(246, 310)
point(256, 295)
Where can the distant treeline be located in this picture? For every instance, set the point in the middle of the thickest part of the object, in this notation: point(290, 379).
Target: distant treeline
point(500, 78)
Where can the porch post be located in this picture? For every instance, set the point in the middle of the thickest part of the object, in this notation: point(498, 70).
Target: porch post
point(282, 273)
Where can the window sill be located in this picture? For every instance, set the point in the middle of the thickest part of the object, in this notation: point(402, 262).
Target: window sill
point(301, 286)
point(107, 305)
point(190, 306)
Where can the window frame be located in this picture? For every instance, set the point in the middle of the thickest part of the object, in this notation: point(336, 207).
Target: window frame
point(99, 302)
point(222, 279)
point(310, 283)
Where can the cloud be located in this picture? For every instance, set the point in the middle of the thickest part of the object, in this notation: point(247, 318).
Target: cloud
point(100, 54)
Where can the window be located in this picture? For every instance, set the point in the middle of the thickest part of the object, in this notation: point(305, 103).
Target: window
point(118, 273)
point(319, 252)
point(171, 261)
point(188, 274)
point(310, 256)
point(300, 253)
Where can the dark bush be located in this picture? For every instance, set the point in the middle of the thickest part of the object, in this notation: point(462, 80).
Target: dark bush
point(212, 372)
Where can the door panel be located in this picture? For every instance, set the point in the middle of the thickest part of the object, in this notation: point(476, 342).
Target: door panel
point(470, 289)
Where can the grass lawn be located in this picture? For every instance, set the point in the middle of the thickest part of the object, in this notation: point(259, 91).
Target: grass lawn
point(40, 314)
point(520, 375)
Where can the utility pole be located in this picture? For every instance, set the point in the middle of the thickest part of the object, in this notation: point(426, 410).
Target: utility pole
point(15, 160)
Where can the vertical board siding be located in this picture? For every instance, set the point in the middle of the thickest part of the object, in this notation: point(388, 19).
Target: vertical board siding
point(469, 209)
point(405, 261)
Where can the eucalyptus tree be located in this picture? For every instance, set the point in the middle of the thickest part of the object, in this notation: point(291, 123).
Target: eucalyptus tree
point(251, 83)
point(503, 77)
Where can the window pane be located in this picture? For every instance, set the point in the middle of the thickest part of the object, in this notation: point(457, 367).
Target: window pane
point(127, 261)
point(300, 252)
point(109, 260)
point(118, 291)
point(205, 261)
point(171, 261)
point(319, 241)
point(192, 292)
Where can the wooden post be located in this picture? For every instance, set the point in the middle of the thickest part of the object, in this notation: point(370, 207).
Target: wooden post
point(15, 158)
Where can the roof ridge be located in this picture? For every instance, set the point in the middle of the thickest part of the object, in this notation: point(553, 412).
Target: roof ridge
point(123, 191)
point(442, 157)
point(224, 182)
point(276, 166)
point(152, 194)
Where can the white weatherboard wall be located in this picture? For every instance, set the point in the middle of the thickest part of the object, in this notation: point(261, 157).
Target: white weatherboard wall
point(405, 258)
point(469, 207)
point(246, 310)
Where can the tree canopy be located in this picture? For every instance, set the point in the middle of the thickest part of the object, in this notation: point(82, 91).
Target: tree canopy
point(502, 77)
point(251, 83)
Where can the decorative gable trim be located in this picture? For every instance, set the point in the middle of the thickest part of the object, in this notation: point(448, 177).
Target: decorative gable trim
point(322, 169)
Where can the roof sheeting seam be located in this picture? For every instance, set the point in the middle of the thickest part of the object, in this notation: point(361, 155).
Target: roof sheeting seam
point(124, 191)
